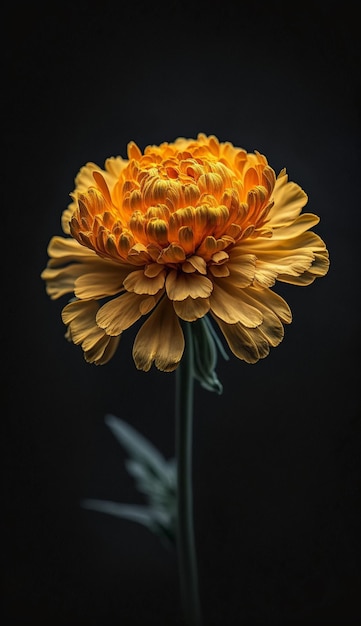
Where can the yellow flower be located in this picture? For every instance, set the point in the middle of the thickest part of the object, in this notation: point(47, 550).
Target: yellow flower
point(183, 230)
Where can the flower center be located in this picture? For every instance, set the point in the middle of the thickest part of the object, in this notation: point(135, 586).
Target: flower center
point(174, 208)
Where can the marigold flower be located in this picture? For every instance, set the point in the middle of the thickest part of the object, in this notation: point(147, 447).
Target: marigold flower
point(183, 230)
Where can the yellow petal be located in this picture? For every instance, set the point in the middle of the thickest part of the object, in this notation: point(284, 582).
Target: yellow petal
point(80, 316)
point(289, 199)
point(228, 304)
point(120, 313)
point(84, 178)
point(319, 267)
point(300, 225)
point(113, 168)
point(60, 281)
point(63, 250)
point(245, 343)
point(220, 271)
point(153, 269)
point(191, 309)
point(267, 298)
point(265, 275)
point(287, 264)
point(100, 284)
point(159, 340)
point(290, 257)
point(174, 253)
point(179, 285)
point(148, 303)
point(271, 328)
point(193, 263)
point(141, 284)
point(103, 350)
point(242, 267)
point(66, 216)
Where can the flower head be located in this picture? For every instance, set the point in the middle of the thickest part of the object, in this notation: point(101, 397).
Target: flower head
point(177, 232)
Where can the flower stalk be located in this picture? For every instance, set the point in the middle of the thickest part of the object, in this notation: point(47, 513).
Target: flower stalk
point(187, 560)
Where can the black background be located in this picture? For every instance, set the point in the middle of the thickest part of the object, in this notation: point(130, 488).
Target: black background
point(277, 456)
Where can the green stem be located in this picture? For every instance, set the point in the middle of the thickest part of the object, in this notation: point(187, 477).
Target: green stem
point(185, 531)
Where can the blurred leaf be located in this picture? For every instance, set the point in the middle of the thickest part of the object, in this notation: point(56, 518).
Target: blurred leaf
point(155, 478)
point(160, 489)
point(134, 512)
point(137, 446)
point(155, 520)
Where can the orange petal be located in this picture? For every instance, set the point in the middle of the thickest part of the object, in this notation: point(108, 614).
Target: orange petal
point(186, 239)
point(159, 340)
point(207, 248)
point(102, 185)
point(157, 231)
point(133, 151)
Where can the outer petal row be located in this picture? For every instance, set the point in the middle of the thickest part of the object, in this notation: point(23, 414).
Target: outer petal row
point(79, 316)
point(252, 344)
point(159, 340)
point(122, 312)
point(289, 199)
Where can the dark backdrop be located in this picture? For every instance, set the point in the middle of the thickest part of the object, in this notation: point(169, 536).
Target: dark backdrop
point(277, 465)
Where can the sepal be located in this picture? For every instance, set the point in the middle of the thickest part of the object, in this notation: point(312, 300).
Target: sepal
point(206, 345)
